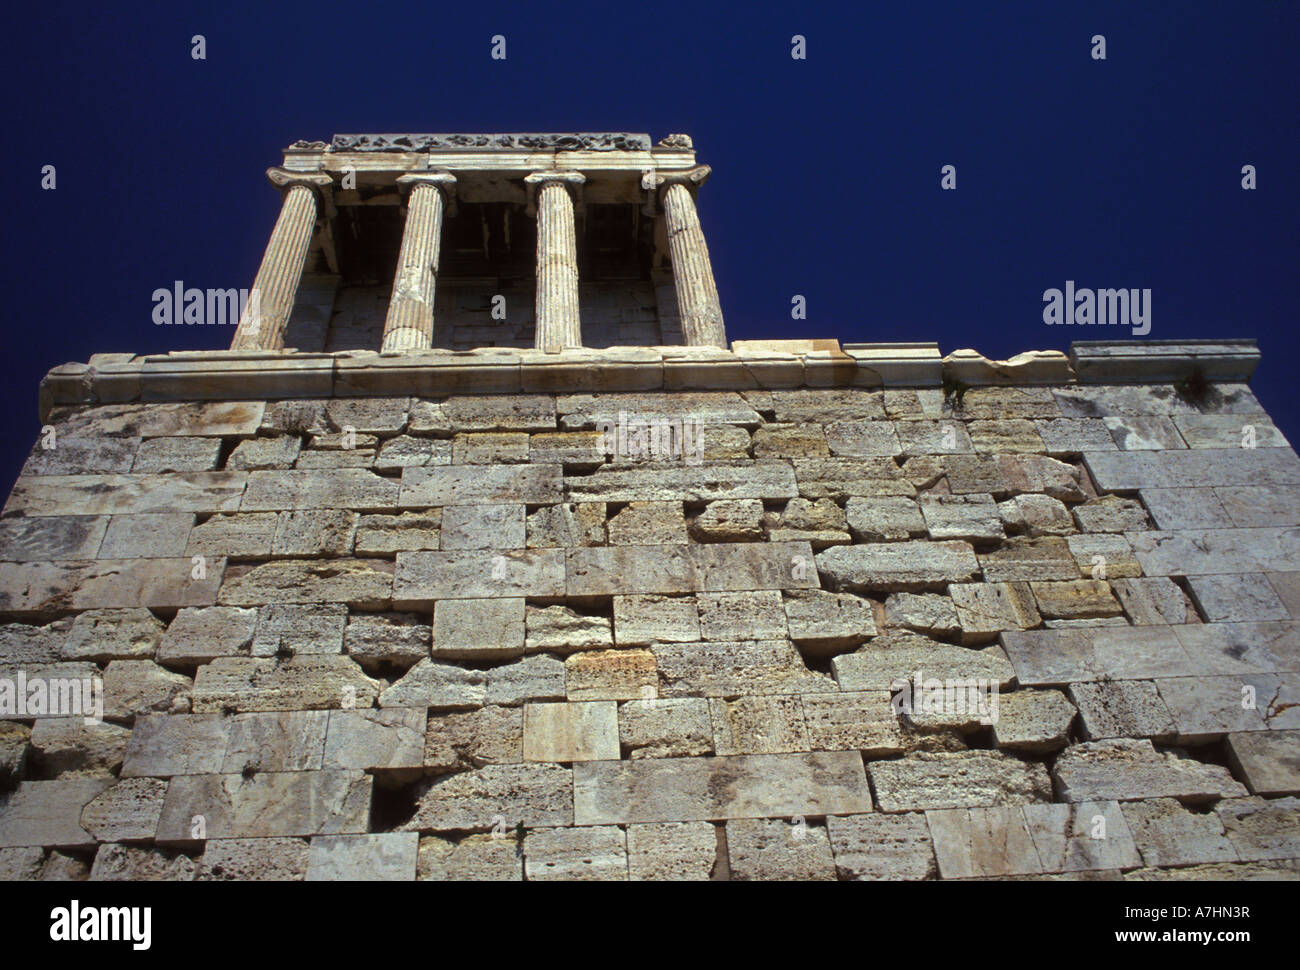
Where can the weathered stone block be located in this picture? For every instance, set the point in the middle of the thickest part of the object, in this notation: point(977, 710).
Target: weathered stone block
point(485, 736)
point(146, 536)
point(162, 745)
point(309, 628)
point(250, 860)
point(128, 811)
point(881, 847)
point(528, 794)
point(676, 851)
point(898, 566)
point(365, 584)
point(594, 853)
point(391, 737)
point(600, 675)
point(967, 779)
point(986, 609)
point(1167, 834)
point(274, 741)
point(1122, 709)
point(774, 849)
point(385, 856)
point(769, 724)
point(1033, 721)
point(268, 684)
point(201, 634)
point(266, 804)
point(1267, 760)
point(476, 858)
point(101, 636)
point(1125, 769)
point(586, 731)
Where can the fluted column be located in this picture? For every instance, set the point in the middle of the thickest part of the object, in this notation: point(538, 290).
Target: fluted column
point(409, 324)
point(558, 320)
point(697, 293)
point(266, 314)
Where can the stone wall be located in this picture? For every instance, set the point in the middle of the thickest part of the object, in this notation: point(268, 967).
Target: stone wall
point(457, 638)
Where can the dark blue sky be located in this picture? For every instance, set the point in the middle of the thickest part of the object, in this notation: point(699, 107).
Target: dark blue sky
point(1121, 173)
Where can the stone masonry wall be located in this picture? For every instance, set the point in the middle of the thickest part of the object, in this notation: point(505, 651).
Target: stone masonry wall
point(455, 638)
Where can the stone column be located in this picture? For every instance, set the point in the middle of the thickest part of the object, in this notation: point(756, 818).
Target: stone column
point(558, 323)
point(261, 325)
point(409, 324)
point(697, 294)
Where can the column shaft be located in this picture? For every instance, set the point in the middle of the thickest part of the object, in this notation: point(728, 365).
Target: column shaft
point(558, 323)
point(267, 312)
point(409, 324)
point(697, 294)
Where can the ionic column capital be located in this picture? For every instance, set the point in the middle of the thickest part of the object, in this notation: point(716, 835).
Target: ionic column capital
point(321, 185)
point(444, 182)
point(573, 181)
point(656, 183)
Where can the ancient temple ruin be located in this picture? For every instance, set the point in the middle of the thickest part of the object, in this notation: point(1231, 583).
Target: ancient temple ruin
point(482, 553)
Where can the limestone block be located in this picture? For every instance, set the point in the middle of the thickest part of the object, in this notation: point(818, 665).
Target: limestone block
point(1267, 761)
point(1153, 601)
point(1125, 769)
point(1036, 515)
point(884, 519)
point(14, 748)
point(595, 853)
point(1076, 600)
point(585, 731)
point(245, 535)
point(291, 628)
point(790, 441)
point(710, 408)
point(162, 745)
point(577, 524)
point(323, 460)
point(1010, 436)
point(729, 520)
point(979, 843)
point(128, 811)
point(853, 721)
point(885, 661)
point(70, 745)
point(611, 675)
point(663, 482)
point(730, 669)
point(101, 636)
point(1261, 828)
point(129, 863)
point(437, 686)
point(84, 456)
point(986, 609)
point(1123, 471)
point(424, 577)
point(1081, 838)
point(897, 566)
point(640, 620)
point(254, 860)
point(384, 534)
point(1239, 648)
point(245, 684)
point(365, 584)
point(146, 536)
point(485, 736)
point(663, 728)
point(1122, 709)
point(581, 449)
point(260, 454)
point(1020, 560)
point(699, 789)
point(201, 634)
point(1186, 508)
point(1110, 513)
point(490, 448)
point(648, 523)
point(157, 419)
point(821, 622)
point(369, 415)
point(842, 478)
point(274, 741)
point(477, 858)
point(385, 856)
point(1236, 597)
point(24, 863)
point(480, 485)
point(1033, 721)
point(561, 630)
point(539, 677)
point(924, 437)
point(478, 630)
point(47, 587)
point(315, 532)
point(1167, 834)
point(514, 412)
point(671, 851)
point(827, 405)
point(405, 450)
point(1252, 507)
point(528, 794)
point(1206, 708)
point(1149, 433)
point(967, 779)
point(23, 643)
point(881, 847)
point(392, 737)
point(774, 849)
point(753, 615)
point(319, 488)
point(135, 687)
point(862, 439)
point(126, 494)
point(1057, 657)
point(48, 813)
point(295, 417)
point(52, 537)
point(928, 613)
point(770, 724)
point(266, 804)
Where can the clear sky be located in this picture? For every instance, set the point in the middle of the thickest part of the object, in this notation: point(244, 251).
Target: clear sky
point(1123, 172)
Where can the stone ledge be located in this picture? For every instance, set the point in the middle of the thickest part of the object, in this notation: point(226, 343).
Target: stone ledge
point(749, 365)
point(1162, 361)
